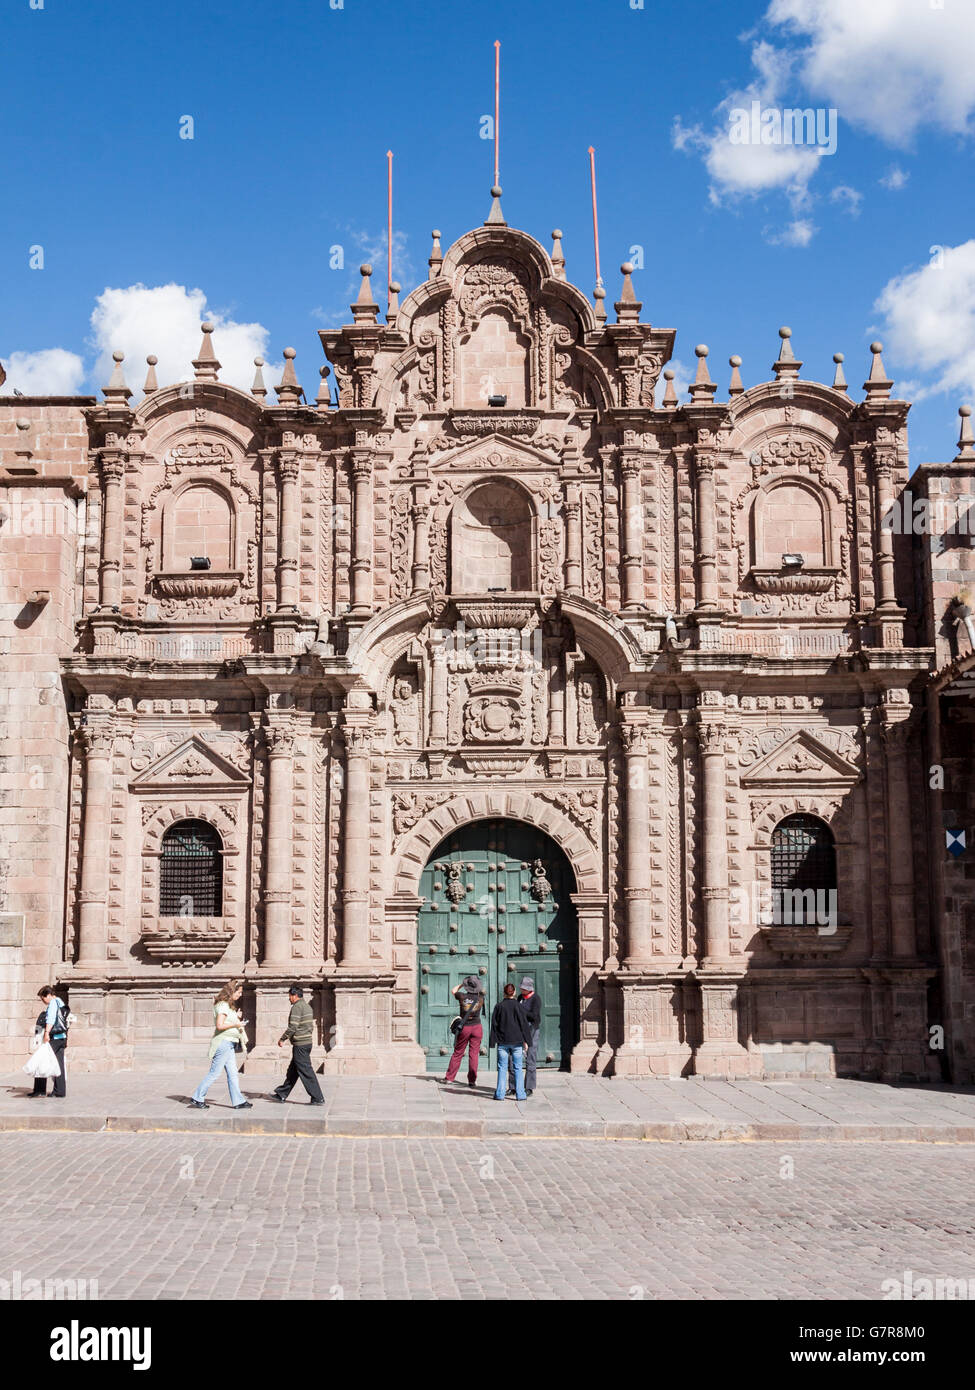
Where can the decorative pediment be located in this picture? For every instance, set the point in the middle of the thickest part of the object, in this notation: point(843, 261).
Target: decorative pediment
point(495, 453)
point(192, 764)
point(801, 757)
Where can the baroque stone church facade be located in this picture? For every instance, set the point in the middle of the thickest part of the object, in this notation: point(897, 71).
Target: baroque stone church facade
point(494, 658)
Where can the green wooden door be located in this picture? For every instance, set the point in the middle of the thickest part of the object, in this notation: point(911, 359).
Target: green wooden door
point(496, 904)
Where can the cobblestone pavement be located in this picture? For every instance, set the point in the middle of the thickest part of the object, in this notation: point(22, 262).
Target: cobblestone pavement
point(563, 1105)
point(178, 1216)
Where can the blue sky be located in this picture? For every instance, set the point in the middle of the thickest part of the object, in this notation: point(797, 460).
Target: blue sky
point(295, 104)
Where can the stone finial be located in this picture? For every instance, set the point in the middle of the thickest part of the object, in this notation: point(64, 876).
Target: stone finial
point(702, 387)
point(151, 384)
point(392, 308)
point(436, 255)
point(558, 256)
point(116, 390)
point(735, 388)
point(877, 384)
point(365, 309)
point(839, 380)
point(324, 396)
point(599, 295)
point(966, 439)
point(495, 217)
point(669, 401)
point(258, 389)
point(786, 364)
point(206, 365)
point(289, 392)
point(627, 306)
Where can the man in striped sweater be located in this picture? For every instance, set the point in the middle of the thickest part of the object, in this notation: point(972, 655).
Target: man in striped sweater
point(300, 1033)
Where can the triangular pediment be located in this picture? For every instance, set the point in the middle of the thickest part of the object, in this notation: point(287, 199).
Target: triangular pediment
point(192, 764)
point(801, 758)
point(494, 453)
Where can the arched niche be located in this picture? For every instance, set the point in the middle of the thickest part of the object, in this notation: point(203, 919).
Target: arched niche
point(791, 516)
point(492, 540)
point(494, 361)
point(199, 519)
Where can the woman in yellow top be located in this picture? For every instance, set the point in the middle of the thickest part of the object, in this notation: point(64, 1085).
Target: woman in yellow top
point(228, 1029)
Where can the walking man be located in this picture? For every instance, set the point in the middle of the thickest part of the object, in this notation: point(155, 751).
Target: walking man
point(300, 1033)
point(470, 997)
point(532, 1005)
point(55, 1033)
point(511, 1035)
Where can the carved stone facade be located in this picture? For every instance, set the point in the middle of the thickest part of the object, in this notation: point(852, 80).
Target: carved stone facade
point(335, 632)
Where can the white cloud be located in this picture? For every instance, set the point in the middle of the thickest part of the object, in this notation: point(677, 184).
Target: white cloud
point(683, 376)
point(930, 321)
point(740, 168)
point(797, 233)
point(895, 178)
point(849, 199)
point(890, 66)
point(165, 320)
point(49, 372)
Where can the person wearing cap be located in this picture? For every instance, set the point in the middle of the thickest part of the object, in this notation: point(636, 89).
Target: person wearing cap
point(470, 1000)
point(300, 1033)
point(532, 1005)
point(510, 1034)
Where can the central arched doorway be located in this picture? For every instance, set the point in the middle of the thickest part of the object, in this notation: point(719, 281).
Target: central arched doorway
point(496, 903)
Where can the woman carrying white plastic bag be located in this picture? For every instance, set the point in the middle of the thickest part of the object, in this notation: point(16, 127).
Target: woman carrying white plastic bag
point(42, 1062)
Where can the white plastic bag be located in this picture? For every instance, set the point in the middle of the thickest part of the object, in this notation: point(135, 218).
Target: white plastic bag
point(43, 1062)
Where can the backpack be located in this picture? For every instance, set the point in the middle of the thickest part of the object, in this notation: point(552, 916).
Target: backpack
point(60, 1029)
point(456, 1024)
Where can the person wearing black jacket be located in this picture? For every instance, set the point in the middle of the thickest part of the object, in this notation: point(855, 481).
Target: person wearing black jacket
point(532, 1005)
point(511, 1034)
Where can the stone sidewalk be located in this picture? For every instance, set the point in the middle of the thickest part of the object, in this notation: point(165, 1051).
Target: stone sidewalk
point(564, 1106)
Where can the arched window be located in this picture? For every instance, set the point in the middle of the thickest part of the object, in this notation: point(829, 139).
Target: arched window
point(191, 871)
point(803, 872)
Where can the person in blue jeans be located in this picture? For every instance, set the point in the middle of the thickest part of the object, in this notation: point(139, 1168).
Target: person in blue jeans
point(511, 1034)
point(228, 1030)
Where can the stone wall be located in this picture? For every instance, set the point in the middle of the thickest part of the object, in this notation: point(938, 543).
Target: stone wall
point(42, 523)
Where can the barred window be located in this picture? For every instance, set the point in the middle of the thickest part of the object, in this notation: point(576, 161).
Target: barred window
point(803, 872)
point(191, 871)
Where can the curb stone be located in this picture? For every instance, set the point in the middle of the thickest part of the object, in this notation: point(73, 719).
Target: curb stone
point(500, 1127)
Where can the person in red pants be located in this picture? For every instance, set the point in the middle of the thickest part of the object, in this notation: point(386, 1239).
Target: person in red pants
point(470, 998)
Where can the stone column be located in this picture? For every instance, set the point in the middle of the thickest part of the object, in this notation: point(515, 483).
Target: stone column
point(714, 878)
point(573, 542)
point(97, 744)
point(289, 528)
point(110, 569)
point(636, 748)
point(632, 467)
point(421, 541)
point(279, 816)
point(355, 835)
point(884, 472)
point(362, 537)
point(895, 733)
point(438, 693)
point(707, 560)
point(556, 691)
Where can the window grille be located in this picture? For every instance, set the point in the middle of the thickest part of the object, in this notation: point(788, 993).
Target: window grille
point(191, 871)
point(803, 871)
